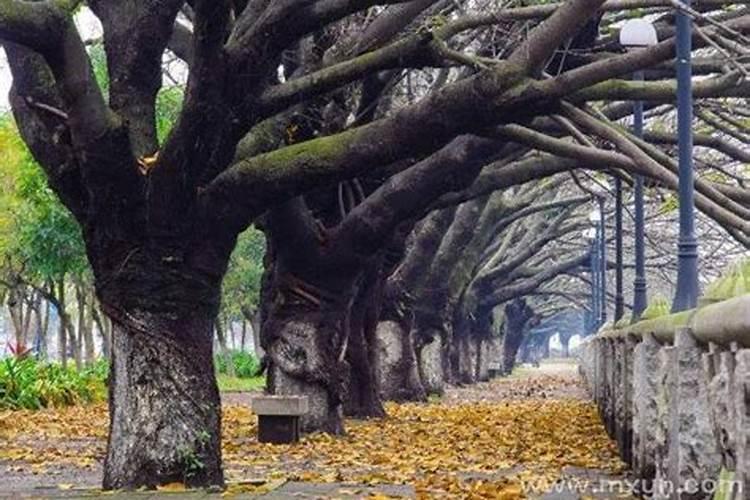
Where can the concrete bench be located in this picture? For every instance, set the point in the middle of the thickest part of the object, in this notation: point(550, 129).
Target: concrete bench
point(494, 370)
point(278, 417)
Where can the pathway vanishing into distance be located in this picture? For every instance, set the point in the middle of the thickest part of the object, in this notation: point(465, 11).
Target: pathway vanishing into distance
point(535, 431)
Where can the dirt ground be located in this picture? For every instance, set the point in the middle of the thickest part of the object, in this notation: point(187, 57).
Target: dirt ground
point(507, 438)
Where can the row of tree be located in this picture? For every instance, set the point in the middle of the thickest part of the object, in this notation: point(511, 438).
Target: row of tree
point(409, 163)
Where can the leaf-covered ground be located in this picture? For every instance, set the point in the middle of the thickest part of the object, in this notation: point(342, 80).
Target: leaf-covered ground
point(502, 439)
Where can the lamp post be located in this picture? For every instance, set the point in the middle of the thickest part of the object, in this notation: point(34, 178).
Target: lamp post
point(603, 260)
point(619, 297)
point(638, 33)
point(590, 235)
point(599, 252)
point(686, 296)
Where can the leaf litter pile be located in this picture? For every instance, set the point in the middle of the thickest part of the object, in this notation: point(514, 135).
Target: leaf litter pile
point(501, 439)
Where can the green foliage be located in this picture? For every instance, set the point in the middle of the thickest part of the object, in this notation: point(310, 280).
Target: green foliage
point(735, 282)
point(35, 228)
point(235, 384)
point(31, 384)
point(192, 458)
point(658, 307)
point(168, 106)
point(241, 286)
point(245, 364)
point(669, 205)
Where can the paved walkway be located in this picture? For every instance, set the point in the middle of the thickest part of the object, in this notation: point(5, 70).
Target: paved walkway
point(61, 458)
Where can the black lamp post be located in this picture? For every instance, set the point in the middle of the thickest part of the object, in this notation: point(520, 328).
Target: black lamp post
point(619, 298)
point(593, 318)
point(603, 256)
point(638, 33)
point(686, 296)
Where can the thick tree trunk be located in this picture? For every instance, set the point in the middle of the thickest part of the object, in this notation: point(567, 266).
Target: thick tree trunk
point(363, 394)
point(467, 348)
point(483, 359)
point(517, 313)
point(165, 412)
point(397, 364)
point(511, 342)
point(162, 297)
point(306, 357)
point(431, 352)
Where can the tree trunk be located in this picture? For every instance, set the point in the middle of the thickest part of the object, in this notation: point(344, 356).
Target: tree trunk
point(243, 335)
point(76, 343)
point(86, 349)
point(483, 353)
point(17, 311)
point(62, 327)
point(164, 404)
point(544, 348)
point(39, 340)
point(398, 367)
point(431, 354)
point(305, 346)
point(88, 333)
point(255, 325)
point(565, 343)
point(363, 390)
point(225, 353)
point(517, 313)
point(105, 330)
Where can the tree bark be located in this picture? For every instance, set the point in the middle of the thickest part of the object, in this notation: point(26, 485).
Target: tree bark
point(105, 330)
point(517, 313)
point(362, 394)
point(164, 405)
point(398, 367)
point(306, 345)
point(62, 331)
point(225, 353)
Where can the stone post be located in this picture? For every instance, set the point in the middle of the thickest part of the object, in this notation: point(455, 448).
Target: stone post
point(645, 378)
point(618, 391)
point(741, 398)
point(610, 396)
point(693, 453)
point(665, 394)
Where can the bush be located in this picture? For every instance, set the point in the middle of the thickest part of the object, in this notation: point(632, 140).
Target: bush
point(245, 364)
point(31, 384)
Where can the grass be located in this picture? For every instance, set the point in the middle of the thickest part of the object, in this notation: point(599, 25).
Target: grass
point(236, 384)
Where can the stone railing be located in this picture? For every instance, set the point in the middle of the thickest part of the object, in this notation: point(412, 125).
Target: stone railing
point(674, 392)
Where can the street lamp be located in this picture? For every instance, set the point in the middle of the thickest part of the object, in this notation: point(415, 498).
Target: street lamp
point(686, 296)
point(590, 235)
point(635, 33)
point(596, 217)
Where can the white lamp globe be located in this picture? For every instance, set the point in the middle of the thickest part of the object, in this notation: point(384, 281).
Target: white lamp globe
point(638, 33)
point(595, 217)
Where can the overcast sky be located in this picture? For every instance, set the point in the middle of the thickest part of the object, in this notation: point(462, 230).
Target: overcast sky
point(89, 27)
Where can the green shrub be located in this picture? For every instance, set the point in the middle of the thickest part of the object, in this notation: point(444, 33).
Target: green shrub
point(735, 281)
point(31, 384)
point(245, 364)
